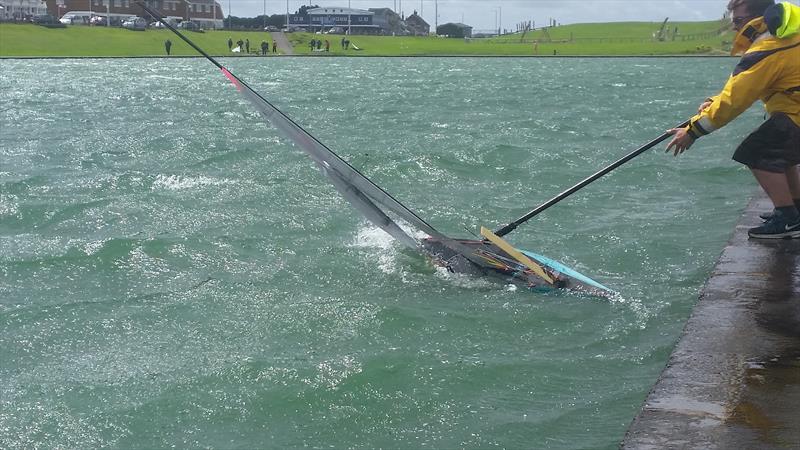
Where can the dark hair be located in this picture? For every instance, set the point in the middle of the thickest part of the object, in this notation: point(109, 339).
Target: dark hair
point(755, 7)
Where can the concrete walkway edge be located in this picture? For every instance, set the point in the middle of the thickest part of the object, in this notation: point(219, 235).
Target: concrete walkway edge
point(733, 380)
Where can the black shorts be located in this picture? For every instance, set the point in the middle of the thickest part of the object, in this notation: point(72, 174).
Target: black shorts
point(773, 147)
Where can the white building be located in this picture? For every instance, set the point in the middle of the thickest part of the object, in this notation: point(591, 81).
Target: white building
point(20, 9)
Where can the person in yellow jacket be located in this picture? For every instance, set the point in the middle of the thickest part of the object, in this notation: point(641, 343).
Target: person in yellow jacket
point(768, 35)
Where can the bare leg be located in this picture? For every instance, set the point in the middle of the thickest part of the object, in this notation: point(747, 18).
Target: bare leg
point(776, 185)
point(793, 177)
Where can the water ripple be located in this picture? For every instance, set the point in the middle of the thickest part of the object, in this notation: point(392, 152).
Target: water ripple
point(174, 273)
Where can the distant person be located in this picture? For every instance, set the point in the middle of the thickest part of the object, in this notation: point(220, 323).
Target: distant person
point(769, 37)
point(274, 47)
point(327, 45)
point(535, 47)
point(240, 44)
point(167, 46)
point(343, 39)
point(247, 46)
point(230, 44)
point(264, 48)
point(346, 44)
point(319, 44)
point(313, 44)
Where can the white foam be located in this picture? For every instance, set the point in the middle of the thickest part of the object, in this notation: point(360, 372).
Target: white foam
point(387, 251)
point(332, 372)
point(92, 247)
point(463, 280)
point(9, 205)
point(373, 238)
point(177, 182)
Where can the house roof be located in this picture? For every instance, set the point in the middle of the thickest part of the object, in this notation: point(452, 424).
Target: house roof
point(457, 24)
point(419, 21)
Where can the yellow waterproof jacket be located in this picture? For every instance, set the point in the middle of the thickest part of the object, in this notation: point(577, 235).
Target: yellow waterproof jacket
point(769, 70)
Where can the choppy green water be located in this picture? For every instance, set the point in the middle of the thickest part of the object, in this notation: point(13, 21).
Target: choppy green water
point(173, 274)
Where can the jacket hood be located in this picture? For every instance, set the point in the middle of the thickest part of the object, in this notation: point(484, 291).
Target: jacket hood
point(783, 19)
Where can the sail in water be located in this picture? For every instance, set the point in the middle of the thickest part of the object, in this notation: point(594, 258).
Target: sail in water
point(357, 189)
point(495, 258)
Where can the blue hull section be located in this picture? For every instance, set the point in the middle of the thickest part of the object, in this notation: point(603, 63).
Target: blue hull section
point(568, 271)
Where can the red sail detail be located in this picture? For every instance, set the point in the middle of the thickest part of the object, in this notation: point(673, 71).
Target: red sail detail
point(232, 79)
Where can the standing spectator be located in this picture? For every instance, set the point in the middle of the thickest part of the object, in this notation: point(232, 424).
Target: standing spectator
point(313, 44)
point(230, 44)
point(327, 45)
point(274, 47)
point(264, 48)
point(167, 46)
point(319, 44)
point(247, 45)
point(343, 42)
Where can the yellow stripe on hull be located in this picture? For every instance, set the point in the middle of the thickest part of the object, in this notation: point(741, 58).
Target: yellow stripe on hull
point(524, 260)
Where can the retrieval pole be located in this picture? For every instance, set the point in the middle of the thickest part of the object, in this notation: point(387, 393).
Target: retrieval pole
point(513, 225)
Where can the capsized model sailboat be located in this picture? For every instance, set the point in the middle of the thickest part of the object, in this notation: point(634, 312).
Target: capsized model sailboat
point(490, 257)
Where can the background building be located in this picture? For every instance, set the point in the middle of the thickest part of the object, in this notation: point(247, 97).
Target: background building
point(21, 9)
point(389, 22)
point(417, 26)
point(357, 21)
point(206, 13)
point(454, 30)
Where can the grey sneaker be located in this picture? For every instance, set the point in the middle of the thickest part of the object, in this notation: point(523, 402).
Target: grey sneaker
point(776, 227)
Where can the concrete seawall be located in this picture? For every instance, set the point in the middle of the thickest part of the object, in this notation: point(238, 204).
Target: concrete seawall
point(733, 380)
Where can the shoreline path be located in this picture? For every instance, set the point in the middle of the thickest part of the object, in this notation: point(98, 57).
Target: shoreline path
point(283, 42)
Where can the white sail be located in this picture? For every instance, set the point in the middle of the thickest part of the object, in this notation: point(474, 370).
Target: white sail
point(357, 189)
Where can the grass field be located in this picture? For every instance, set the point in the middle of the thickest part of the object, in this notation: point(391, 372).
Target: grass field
point(631, 38)
point(33, 40)
point(626, 38)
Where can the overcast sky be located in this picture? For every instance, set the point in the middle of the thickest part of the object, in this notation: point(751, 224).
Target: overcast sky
point(484, 14)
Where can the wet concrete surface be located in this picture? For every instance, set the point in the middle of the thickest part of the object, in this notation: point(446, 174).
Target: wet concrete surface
point(733, 380)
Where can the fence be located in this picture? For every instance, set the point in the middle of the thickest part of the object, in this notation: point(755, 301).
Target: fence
point(546, 39)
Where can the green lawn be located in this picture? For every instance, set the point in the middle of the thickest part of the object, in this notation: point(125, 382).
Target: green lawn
point(631, 38)
point(33, 40)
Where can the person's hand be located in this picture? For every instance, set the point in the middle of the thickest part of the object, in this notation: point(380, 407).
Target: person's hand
point(704, 106)
point(681, 142)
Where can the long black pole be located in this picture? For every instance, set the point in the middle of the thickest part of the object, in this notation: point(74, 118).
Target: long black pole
point(513, 225)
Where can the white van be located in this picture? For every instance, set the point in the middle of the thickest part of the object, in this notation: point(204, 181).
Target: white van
point(76, 18)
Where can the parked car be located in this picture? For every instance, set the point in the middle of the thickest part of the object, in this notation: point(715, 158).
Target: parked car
point(98, 20)
point(189, 25)
point(134, 23)
point(169, 20)
point(44, 19)
point(271, 28)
